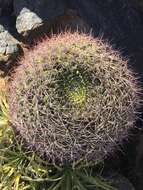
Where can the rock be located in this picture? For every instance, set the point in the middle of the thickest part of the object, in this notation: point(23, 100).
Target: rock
point(33, 13)
point(9, 46)
point(27, 21)
point(2, 28)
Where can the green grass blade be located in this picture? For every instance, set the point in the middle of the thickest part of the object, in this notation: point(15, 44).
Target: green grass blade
point(97, 181)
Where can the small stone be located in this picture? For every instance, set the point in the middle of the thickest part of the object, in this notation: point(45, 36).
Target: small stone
point(9, 46)
point(27, 21)
point(1, 28)
point(3, 46)
point(33, 13)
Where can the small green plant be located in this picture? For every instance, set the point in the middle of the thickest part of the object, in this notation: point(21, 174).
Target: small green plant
point(3, 110)
point(16, 166)
point(21, 170)
point(4, 114)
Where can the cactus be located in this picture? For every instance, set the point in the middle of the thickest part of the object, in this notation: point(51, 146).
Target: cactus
point(72, 99)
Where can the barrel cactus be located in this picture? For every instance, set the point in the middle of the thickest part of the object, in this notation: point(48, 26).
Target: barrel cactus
point(73, 98)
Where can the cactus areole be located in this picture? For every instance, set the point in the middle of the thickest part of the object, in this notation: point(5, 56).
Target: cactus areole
point(73, 98)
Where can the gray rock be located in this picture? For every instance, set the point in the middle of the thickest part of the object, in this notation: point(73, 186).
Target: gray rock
point(33, 13)
point(27, 21)
point(9, 46)
point(2, 28)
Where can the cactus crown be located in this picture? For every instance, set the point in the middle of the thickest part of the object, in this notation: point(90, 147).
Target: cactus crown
point(74, 99)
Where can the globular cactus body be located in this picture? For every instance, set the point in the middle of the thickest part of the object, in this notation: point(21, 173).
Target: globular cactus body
point(72, 99)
